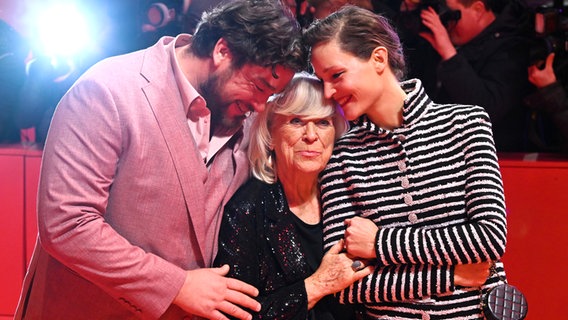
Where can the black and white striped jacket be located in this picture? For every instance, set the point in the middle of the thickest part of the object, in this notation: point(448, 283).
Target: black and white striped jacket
point(435, 189)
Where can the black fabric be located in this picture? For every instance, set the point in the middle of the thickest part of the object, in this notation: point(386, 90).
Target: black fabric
point(312, 241)
point(262, 244)
point(548, 131)
point(489, 71)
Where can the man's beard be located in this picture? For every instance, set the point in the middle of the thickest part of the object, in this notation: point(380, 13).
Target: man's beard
point(212, 92)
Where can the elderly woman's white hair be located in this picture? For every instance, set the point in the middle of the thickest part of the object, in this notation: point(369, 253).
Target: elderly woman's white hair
point(302, 97)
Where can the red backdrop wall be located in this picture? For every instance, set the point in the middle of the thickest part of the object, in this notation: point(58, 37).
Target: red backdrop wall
point(537, 214)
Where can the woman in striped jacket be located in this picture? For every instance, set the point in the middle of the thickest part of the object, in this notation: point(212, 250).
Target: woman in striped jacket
point(414, 186)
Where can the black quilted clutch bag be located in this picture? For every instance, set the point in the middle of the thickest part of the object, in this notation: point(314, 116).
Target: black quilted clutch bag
point(505, 302)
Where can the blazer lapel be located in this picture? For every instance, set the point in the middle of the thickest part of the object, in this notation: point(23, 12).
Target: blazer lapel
point(240, 158)
point(190, 169)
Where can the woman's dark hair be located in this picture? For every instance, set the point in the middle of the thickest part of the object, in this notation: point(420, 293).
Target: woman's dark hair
point(259, 32)
point(359, 31)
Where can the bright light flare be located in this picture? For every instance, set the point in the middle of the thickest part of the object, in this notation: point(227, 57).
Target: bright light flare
point(62, 30)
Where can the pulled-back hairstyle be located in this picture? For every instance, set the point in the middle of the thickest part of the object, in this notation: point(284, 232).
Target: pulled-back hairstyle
point(359, 31)
point(302, 97)
point(259, 32)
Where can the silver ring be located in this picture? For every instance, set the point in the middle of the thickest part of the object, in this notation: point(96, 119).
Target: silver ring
point(357, 265)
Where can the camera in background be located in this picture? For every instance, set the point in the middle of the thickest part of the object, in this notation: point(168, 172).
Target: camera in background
point(550, 34)
point(409, 18)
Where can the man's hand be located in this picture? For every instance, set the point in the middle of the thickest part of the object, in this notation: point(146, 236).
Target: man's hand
point(438, 37)
point(542, 78)
point(360, 234)
point(471, 275)
point(207, 293)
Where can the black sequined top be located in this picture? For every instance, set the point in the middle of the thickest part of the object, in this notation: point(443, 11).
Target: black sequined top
point(263, 245)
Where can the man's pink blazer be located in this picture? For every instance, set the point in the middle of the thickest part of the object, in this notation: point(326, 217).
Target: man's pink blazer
point(122, 196)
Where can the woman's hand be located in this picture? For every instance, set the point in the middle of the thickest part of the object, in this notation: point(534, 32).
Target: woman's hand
point(360, 234)
point(471, 275)
point(334, 274)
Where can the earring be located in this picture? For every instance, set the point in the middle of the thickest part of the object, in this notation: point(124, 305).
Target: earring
point(269, 160)
point(379, 58)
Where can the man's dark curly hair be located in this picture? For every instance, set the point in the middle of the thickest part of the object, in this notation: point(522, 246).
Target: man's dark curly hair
point(259, 32)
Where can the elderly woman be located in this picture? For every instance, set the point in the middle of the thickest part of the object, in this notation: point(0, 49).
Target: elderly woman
point(271, 233)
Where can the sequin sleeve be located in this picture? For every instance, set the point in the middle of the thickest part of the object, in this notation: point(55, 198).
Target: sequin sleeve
point(244, 247)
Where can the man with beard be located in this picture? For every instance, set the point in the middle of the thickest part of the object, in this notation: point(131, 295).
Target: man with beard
point(142, 154)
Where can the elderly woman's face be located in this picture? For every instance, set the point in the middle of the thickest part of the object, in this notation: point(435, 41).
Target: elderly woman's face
point(302, 145)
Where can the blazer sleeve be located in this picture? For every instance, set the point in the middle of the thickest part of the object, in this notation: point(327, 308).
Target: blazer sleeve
point(243, 246)
point(79, 165)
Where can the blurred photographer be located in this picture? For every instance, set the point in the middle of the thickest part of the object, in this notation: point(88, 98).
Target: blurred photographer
point(482, 59)
point(549, 105)
point(47, 80)
point(13, 50)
